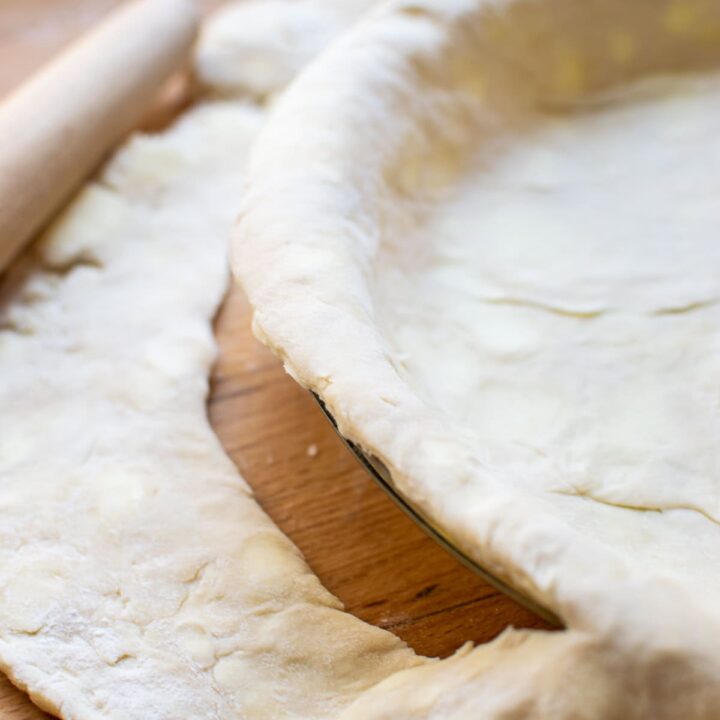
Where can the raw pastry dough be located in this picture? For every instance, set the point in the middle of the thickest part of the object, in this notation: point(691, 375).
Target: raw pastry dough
point(139, 578)
point(495, 260)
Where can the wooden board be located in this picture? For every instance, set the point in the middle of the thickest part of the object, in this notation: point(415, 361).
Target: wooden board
point(364, 549)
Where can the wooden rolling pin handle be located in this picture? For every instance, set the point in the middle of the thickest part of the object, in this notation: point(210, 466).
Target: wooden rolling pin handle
point(57, 127)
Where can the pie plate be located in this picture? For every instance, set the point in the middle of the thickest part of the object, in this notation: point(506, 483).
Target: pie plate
point(382, 476)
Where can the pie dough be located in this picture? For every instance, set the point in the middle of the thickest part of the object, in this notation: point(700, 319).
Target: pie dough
point(495, 261)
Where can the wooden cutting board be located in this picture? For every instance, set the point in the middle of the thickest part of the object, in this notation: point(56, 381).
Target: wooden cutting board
point(364, 549)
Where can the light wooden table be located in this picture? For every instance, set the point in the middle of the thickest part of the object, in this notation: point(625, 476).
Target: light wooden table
point(365, 550)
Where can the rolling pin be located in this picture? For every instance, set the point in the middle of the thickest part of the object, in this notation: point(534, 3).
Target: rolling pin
point(57, 127)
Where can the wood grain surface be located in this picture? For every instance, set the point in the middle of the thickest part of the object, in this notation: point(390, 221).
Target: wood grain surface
point(364, 549)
